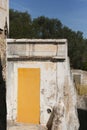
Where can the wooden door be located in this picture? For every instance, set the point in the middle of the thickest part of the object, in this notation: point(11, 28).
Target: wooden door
point(28, 110)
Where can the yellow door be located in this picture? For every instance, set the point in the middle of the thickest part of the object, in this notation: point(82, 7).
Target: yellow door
point(28, 95)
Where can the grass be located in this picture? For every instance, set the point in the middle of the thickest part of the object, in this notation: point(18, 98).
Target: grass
point(82, 89)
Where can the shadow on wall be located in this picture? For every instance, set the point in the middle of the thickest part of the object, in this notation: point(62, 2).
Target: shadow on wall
point(2, 101)
point(50, 121)
point(82, 114)
point(56, 116)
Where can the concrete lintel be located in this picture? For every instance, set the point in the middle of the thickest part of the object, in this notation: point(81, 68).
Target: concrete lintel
point(35, 58)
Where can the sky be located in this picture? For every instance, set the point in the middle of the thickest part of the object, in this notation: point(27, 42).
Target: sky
point(72, 13)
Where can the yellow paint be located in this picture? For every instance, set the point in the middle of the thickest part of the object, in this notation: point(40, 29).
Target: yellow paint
point(28, 95)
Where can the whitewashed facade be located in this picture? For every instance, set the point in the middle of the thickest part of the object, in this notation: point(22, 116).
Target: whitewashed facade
point(55, 78)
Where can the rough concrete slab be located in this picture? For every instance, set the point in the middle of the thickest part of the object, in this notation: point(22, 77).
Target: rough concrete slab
point(26, 127)
point(21, 126)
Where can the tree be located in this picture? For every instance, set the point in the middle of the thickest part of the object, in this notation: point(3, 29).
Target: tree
point(20, 24)
point(44, 27)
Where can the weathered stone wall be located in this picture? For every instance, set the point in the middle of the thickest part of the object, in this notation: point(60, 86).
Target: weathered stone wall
point(4, 14)
point(80, 80)
point(2, 83)
point(3, 54)
point(82, 102)
point(64, 116)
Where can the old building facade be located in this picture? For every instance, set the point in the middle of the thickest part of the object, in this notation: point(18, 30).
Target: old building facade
point(38, 79)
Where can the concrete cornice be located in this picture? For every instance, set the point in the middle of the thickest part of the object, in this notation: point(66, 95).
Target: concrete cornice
point(36, 40)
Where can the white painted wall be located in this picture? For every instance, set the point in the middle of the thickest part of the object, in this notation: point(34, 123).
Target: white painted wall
point(56, 82)
point(48, 87)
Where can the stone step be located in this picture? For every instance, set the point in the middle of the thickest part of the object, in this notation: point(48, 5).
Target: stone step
point(25, 127)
